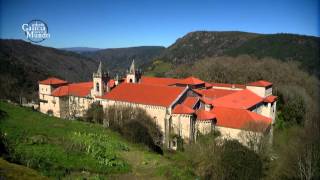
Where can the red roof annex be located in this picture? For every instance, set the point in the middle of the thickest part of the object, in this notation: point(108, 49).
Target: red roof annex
point(158, 81)
point(243, 99)
point(240, 86)
point(75, 89)
point(205, 115)
point(182, 109)
point(190, 101)
point(238, 118)
point(144, 94)
point(53, 81)
point(190, 81)
point(261, 83)
point(215, 93)
point(270, 99)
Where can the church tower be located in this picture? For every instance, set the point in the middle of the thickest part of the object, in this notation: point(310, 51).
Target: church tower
point(100, 82)
point(133, 75)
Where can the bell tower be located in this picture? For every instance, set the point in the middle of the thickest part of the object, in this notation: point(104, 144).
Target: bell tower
point(100, 82)
point(133, 75)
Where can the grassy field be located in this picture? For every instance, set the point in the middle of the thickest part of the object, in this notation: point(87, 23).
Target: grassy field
point(72, 149)
point(158, 68)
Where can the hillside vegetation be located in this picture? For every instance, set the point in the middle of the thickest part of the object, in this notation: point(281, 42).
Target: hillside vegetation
point(295, 152)
point(284, 47)
point(72, 149)
point(118, 60)
point(23, 64)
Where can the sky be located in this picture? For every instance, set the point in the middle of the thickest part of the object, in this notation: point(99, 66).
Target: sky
point(120, 23)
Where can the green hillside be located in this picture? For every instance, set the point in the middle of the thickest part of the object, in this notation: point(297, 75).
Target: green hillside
point(72, 149)
point(286, 47)
point(118, 60)
point(199, 45)
point(23, 64)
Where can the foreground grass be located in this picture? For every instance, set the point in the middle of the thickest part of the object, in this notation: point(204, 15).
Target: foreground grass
point(73, 149)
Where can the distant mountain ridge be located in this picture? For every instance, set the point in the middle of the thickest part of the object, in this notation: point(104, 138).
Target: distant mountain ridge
point(118, 60)
point(200, 44)
point(80, 49)
point(22, 64)
point(286, 47)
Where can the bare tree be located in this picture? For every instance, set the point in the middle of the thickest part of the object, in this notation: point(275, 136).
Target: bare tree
point(307, 161)
point(255, 136)
point(74, 108)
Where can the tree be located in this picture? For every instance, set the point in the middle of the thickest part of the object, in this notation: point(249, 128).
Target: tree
point(74, 107)
point(238, 162)
point(95, 113)
point(215, 158)
point(135, 125)
point(255, 136)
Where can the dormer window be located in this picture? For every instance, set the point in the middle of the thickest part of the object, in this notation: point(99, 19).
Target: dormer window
point(97, 87)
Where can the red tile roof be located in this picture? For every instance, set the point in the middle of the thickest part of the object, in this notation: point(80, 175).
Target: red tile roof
point(75, 89)
point(190, 81)
point(208, 85)
point(53, 81)
point(61, 91)
point(260, 83)
point(243, 99)
point(182, 109)
point(145, 94)
point(206, 100)
point(205, 115)
point(270, 99)
point(239, 118)
point(240, 86)
point(215, 93)
point(158, 81)
point(190, 101)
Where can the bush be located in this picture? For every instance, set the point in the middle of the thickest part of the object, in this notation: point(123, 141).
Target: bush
point(94, 113)
point(135, 125)
point(238, 162)
point(293, 106)
point(223, 159)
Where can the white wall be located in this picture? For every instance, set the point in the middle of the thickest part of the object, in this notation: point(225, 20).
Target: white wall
point(79, 105)
point(204, 127)
point(261, 91)
point(182, 125)
point(50, 103)
point(45, 89)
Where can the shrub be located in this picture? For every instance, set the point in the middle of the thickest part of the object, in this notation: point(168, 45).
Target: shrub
point(238, 162)
point(95, 113)
point(135, 125)
point(223, 159)
point(293, 106)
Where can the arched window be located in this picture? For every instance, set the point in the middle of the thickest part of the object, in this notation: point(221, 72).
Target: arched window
point(97, 87)
point(130, 81)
